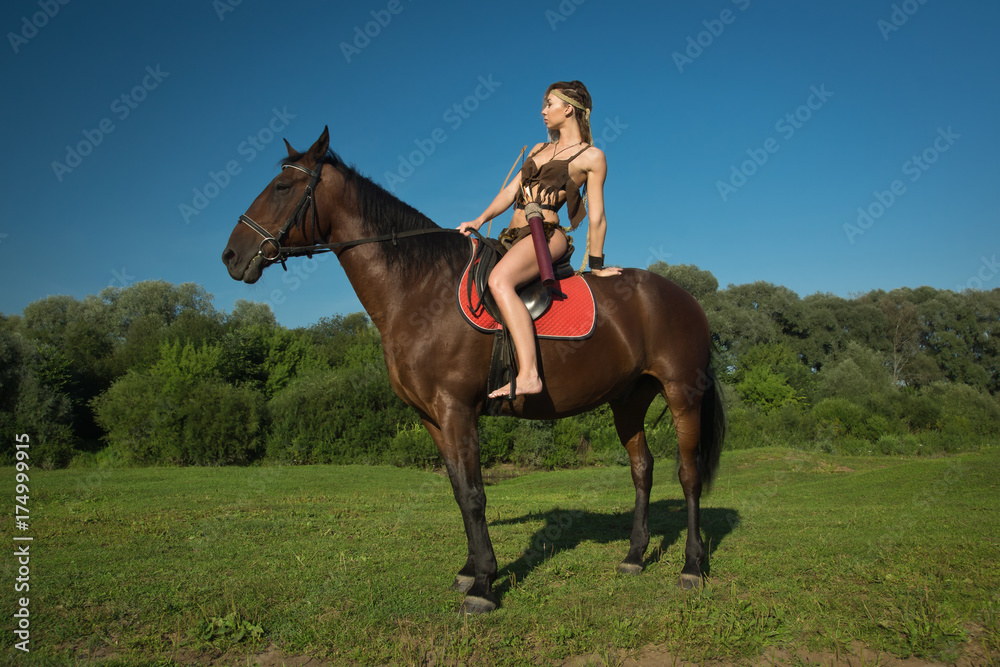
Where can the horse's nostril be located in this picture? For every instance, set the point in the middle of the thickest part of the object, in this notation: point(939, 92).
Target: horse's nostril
point(228, 254)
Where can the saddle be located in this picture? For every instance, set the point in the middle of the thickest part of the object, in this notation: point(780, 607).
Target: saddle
point(536, 296)
point(563, 311)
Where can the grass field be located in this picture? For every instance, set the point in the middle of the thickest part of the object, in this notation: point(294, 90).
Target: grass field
point(810, 555)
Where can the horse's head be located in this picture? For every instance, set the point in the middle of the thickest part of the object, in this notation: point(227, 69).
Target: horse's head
point(279, 216)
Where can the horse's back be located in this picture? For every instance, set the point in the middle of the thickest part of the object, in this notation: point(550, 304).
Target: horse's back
point(643, 302)
point(646, 325)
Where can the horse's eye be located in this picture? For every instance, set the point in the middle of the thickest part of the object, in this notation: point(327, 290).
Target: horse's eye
point(282, 187)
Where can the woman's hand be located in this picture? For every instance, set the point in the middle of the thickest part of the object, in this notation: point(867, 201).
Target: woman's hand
point(466, 226)
point(607, 271)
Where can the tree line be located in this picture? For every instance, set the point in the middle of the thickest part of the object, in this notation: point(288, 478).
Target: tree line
point(153, 374)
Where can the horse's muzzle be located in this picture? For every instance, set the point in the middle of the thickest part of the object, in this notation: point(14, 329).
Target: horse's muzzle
point(248, 272)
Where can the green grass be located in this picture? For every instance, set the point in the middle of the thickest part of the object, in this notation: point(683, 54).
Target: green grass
point(809, 552)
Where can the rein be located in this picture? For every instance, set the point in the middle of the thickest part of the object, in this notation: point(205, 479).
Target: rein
point(296, 251)
point(308, 201)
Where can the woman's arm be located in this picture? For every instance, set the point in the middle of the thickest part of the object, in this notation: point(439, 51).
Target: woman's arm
point(596, 218)
point(500, 203)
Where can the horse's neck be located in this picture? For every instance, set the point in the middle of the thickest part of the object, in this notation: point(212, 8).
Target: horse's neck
point(372, 282)
point(394, 301)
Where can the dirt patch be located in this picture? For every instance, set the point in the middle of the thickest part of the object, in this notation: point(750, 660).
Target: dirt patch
point(503, 472)
point(858, 656)
point(274, 657)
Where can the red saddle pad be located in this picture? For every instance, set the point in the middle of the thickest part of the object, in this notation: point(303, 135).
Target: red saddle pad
point(572, 317)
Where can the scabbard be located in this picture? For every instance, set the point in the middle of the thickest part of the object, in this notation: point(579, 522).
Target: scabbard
point(534, 214)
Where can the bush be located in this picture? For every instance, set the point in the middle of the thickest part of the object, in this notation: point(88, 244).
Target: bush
point(347, 415)
point(534, 446)
point(859, 374)
point(847, 446)
point(661, 440)
point(32, 403)
point(413, 447)
point(150, 421)
point(45, 415)
point(902, 445)
point(496, 439)
point(745, 427)
point(837, 417)
point(222, 425)
point(570, 446)
point(602, 445)
point(181, 412)
point(128, 412)
point(911, 409)
point(766, 389)
point(966, 412)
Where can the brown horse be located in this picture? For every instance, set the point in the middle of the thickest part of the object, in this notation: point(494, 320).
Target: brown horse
point(651, 338)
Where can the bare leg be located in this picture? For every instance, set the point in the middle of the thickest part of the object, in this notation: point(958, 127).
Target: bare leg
point(516, 268)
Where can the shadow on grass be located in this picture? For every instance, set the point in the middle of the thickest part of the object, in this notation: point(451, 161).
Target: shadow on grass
point(567, 528)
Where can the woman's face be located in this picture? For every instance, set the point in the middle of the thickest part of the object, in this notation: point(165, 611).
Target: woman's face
point(554, 112)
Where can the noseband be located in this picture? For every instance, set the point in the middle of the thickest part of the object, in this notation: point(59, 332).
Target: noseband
point(301, 211)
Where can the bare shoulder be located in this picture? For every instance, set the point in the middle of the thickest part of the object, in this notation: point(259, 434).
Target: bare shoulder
point(539, 146)
point(593, 159)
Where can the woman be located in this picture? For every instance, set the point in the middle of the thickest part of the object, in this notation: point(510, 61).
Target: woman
point(552, 175)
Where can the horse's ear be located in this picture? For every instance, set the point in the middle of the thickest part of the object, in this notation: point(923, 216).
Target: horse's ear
point(322, 145)
point(291, 151)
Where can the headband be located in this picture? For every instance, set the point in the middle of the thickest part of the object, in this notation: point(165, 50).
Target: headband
point(572, 102)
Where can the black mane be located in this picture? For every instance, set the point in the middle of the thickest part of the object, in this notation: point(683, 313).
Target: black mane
point(381, 213)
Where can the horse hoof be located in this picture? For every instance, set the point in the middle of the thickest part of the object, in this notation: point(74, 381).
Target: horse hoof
point(476, 605)
point(629, 568)
point(690, 581)
point(463, 583)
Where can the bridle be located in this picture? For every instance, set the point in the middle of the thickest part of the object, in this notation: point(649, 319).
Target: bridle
point(308, 201)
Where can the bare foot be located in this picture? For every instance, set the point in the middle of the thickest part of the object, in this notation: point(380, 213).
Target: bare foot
point(525, 386)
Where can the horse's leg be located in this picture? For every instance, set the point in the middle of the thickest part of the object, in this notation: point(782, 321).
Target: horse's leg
point(629, 417)
point(685, 406)
point(458, 443)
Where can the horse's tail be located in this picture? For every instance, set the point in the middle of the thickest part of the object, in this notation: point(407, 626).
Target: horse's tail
point(713, 429)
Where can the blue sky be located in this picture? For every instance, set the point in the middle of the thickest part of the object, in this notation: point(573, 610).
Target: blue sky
point(742, 136)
